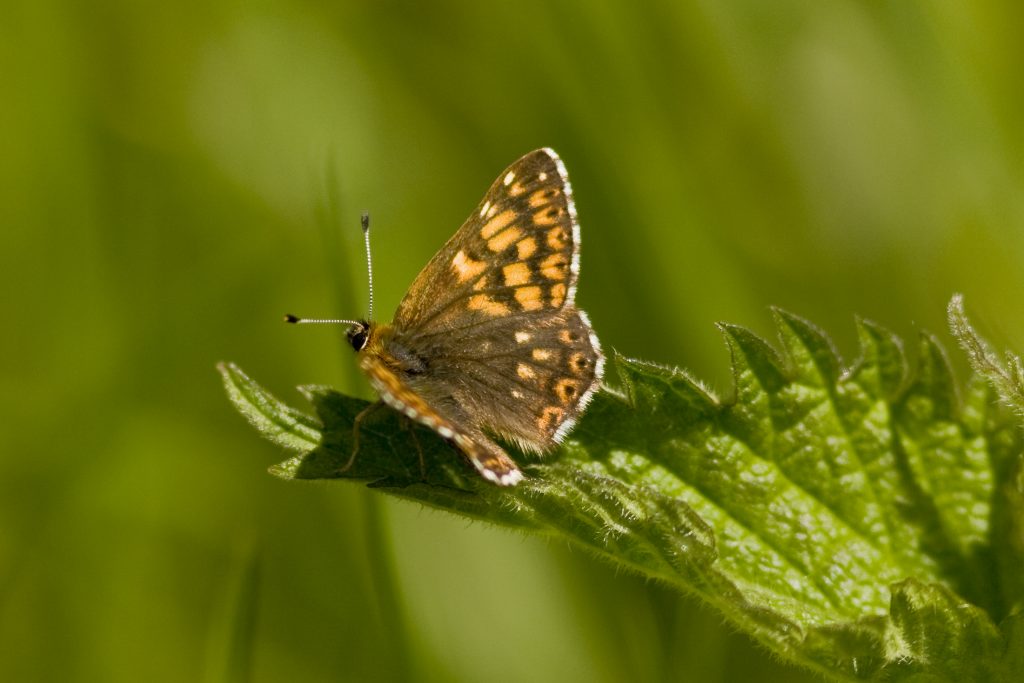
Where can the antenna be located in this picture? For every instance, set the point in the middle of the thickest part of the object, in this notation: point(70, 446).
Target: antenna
point(319, 321)
point(365, 221)
point(289, 318)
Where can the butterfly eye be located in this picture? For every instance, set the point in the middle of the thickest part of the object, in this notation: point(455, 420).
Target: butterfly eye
point(357, 335)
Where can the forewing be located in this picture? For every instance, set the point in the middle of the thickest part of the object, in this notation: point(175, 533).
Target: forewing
point(517, 252)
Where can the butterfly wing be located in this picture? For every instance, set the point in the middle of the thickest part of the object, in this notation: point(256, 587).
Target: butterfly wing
point(445, 417)
point(526, 379)
point(518, 250)
point(494, 317)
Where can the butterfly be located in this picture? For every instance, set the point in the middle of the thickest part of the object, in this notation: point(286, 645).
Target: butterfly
point(488, 340)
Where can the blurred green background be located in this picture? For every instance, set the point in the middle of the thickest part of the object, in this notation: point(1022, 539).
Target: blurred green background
point(175, 176)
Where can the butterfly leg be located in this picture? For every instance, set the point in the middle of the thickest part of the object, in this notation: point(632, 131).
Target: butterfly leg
point(419, 450)
point(356, 423)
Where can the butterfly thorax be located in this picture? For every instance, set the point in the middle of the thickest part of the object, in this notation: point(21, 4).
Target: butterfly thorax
point(380, 342)
point(397, 372)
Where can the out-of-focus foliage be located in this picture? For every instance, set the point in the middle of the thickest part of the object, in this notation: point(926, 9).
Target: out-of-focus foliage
point(175, 176)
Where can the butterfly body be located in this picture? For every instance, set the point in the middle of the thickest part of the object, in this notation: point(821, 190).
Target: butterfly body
point(488, 340)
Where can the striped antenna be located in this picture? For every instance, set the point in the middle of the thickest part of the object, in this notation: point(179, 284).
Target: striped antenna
point(319, 321)
point(365, 221)
point(289, 318)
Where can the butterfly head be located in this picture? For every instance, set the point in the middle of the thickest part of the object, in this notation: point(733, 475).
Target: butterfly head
point(358, 334)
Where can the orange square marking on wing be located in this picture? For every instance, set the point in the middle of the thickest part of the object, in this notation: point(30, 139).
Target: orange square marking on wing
point(487, 305)
point(466, 268)
point(503, 239)
point(539, 198)
point(553, 267)
point(482, 283)
point(567, 390)
point(557, 295)
point(516, 274)
point(529, 298)
point(549, 419)
point(498, 223)
point(578, 362)
point(547, 216)
point(557, 238)
point(526, 248)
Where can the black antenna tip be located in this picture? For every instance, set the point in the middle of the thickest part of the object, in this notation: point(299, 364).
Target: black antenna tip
point(289, 318)
point(365, 220)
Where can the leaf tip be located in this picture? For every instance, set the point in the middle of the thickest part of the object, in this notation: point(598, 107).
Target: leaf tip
point(230, 373)
point(956, 304)
point(286, 470)
point(806, 332)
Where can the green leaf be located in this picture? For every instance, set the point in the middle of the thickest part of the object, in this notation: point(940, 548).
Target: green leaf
point(284, 426)
point(842, 516)
point(1006, 378)
point(1006, 375)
